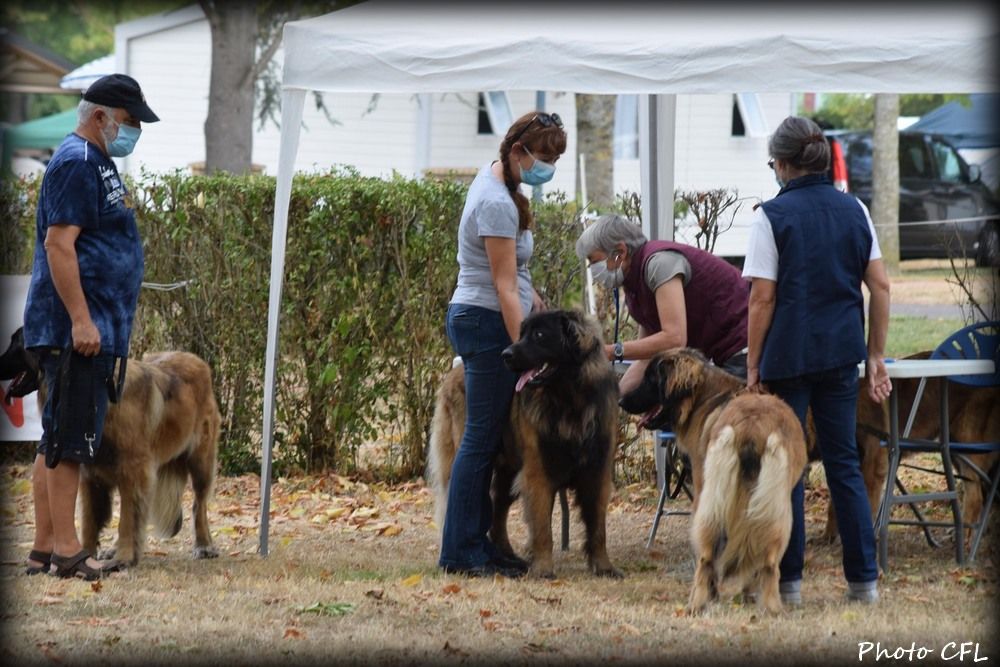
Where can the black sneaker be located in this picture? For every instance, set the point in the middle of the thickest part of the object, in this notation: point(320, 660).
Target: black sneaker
point(510, 561)
point(488, 569)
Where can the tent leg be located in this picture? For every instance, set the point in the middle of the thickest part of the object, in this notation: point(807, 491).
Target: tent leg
point(291, 123)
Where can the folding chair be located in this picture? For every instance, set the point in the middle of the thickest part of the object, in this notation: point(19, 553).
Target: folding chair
point(977, 341)
point(676, 478)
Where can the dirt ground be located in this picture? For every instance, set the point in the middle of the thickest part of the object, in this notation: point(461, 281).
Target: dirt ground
point(351, 578)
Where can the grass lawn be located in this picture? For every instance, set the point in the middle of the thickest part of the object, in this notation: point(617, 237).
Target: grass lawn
point(351, 578)
point(908, 335)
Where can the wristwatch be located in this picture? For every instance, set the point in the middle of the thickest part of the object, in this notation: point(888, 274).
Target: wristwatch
point(619, 350)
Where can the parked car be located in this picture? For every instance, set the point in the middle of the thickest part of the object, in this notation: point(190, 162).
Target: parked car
point(936, 187)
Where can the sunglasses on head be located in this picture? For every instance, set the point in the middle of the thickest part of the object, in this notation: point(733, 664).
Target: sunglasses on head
point(544, 119)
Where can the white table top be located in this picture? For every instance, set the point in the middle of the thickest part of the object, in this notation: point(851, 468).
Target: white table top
point(916, 368)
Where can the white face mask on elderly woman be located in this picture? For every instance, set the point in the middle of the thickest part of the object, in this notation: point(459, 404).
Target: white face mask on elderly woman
point(609, 279)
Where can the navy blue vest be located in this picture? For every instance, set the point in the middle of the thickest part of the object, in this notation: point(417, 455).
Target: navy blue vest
point(824, 243)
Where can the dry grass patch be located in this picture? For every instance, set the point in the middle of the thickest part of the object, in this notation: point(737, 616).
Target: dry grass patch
point(352, 577)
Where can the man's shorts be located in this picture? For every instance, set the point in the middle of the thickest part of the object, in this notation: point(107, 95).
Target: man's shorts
point(75, 405)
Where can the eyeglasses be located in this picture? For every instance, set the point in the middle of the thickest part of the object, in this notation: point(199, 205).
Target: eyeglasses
point(770, 163)
point(544, 119)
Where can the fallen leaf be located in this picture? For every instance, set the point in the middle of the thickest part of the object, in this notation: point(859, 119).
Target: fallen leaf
point(413, 579)
point(327, 608)
point(390, 530)
point(451, 589)
point(292, 633)
point(485, 613)
point(376, 593)
point(96, 586)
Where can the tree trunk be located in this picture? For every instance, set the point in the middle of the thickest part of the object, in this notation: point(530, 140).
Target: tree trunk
point(885, 178)
point(229, 126)
point(595, 124)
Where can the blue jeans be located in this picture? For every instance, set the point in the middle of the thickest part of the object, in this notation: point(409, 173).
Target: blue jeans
point(478, 335)
point(833, 397)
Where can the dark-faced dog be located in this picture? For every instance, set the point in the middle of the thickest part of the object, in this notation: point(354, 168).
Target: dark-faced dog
point(561, 434)
point(164, 429)
point(747, 452)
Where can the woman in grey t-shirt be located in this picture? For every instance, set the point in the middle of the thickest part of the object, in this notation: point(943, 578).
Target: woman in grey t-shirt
point(493, 295)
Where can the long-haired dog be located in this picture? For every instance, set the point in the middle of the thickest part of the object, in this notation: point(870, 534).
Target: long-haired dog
point(747, 452)
point(561, 434)
point(973, 416)
point(163, 430)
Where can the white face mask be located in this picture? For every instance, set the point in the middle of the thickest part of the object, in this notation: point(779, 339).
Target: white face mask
point(609, 279)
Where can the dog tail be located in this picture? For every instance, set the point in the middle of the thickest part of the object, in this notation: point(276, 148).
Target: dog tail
point(763, 508)
point(722, 482)
point(441, 450)
point(166, 512)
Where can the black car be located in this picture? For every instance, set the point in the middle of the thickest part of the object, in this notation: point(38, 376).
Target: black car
point(938, 190)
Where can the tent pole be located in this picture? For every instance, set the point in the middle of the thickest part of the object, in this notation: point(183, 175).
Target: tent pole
point(291, 123)
point(422, 152)
point(657, 116)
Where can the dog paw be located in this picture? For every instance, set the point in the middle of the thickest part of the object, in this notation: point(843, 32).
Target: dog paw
point(611, 572)
point(542, 573)
point(205, 552)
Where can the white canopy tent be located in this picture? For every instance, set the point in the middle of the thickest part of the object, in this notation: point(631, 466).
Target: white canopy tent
point(613, 48)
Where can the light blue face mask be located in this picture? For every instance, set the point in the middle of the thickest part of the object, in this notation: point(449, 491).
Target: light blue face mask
point(540, 172)
point(125, 142)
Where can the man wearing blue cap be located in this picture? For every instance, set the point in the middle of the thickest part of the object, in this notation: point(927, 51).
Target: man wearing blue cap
point(85, 280)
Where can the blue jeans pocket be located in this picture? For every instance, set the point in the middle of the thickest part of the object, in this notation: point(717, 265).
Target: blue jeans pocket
point(464, 328)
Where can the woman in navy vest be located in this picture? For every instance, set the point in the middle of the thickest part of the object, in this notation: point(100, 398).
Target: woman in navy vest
point(679, 296)
point(811, 247)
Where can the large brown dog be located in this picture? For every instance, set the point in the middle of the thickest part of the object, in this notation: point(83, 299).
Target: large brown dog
point(561, 434)
point(747, 452)
point(164, 428)
point(974, 416)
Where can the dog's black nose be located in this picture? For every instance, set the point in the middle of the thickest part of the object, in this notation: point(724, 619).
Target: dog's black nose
point(507, 354)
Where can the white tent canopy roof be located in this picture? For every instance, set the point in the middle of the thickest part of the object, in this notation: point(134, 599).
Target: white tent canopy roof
point(384, 46)
point(88, 73)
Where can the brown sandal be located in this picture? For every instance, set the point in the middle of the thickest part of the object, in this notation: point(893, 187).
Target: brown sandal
point(39, 557)
point(76, 566)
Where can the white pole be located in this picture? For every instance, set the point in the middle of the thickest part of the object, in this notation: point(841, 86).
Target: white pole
point(584, 217)
point(291, 122)
point(423, 144)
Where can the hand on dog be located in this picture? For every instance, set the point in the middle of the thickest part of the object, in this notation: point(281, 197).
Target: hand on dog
point(754, 384)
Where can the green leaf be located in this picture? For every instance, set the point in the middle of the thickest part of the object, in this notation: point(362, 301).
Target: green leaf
point(327, 608)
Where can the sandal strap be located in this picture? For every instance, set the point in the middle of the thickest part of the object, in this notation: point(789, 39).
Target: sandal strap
point(42, 557)
point(67, 563)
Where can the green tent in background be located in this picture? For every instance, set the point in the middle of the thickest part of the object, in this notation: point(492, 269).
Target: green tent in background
point(47, 132)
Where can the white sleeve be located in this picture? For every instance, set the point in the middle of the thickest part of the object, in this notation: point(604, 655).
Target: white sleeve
point(876, 249)
point(762, 252)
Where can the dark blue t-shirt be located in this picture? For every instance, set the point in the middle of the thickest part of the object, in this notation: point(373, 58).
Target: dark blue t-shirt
point(82, 187)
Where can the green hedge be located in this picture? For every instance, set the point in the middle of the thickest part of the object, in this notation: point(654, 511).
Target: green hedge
point(369, 270)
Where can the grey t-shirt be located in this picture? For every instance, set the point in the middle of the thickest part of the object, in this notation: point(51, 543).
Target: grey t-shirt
point(664, 265)
point(489, 211)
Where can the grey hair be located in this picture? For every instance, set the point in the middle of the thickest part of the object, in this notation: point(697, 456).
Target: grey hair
point(86, 109)
point(607, 232)
point(799, 142)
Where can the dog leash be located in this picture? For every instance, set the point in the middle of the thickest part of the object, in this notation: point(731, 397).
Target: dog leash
point(617, 313)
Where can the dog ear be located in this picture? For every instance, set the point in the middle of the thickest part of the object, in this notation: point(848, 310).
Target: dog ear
point(686, 373)
point(582, 333)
